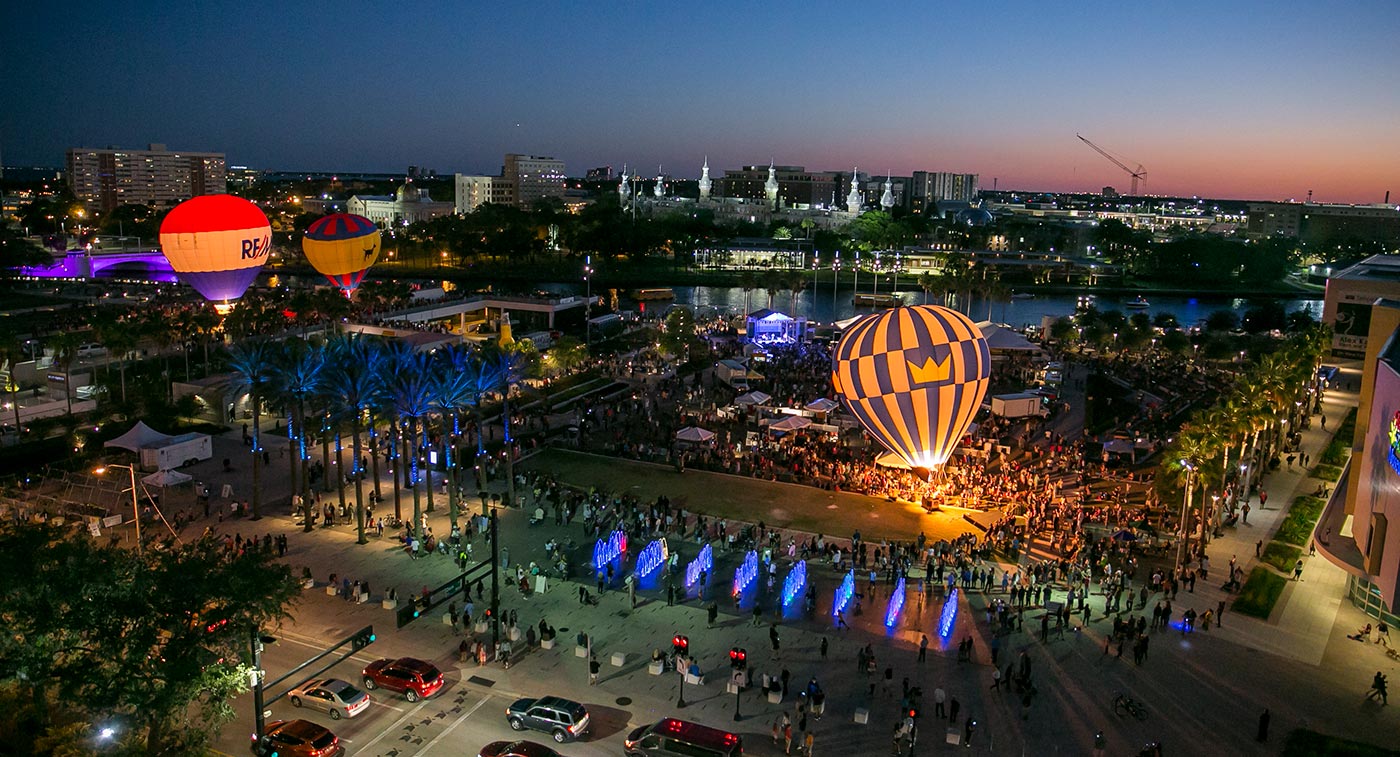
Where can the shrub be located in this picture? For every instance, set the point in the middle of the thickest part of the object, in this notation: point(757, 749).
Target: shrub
point(1281, 556)
point(1261, 591)
point(1297, 526)
point(1327, 472)
point(1305, 743)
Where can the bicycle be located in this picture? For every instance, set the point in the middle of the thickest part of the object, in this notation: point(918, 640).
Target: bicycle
point(1124, 705)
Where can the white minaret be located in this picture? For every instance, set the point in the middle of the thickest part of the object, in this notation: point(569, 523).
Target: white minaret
point(887, 199)
point(853, 200)
point(660, 189)
point(705, 179)
point(624, 190)
point(770, 187)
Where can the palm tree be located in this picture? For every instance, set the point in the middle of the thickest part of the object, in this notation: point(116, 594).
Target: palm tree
point(11, 354)
point(120, 338)
point(353, 381)
point(65, 346)
point(455, 393)
point(794, 281)
point(748, 282)
point(510, 367)
point(773, 282)
point(251, 364)
point(297, 379)
point(411, 396)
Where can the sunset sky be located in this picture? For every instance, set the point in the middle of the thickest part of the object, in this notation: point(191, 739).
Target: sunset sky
point(1253, 100)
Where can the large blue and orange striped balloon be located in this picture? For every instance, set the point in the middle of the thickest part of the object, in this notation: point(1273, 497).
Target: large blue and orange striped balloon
point(914, 377)
point(342, 246)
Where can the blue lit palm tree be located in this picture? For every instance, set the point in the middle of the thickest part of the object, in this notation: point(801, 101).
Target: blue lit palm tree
point(297, 379)
point(411, 396)
point(509, 368)
point(354, 385)
point(251, 363)
point(455, 392)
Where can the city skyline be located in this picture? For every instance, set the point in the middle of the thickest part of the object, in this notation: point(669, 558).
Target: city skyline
point(1252, 102)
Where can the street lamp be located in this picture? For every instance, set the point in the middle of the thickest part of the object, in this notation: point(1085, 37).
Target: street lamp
point(135, 507)
point(1185, 507)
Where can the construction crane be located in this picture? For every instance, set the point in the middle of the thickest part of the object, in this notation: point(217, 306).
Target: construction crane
point(1140, 173)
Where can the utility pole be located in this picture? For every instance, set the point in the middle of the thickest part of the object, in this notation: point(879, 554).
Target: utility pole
point(495, 584)
point(259, 711)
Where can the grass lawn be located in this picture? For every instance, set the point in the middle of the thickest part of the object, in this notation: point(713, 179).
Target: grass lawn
point(1261, 591)
point(1281, 556)
point(1297, 526)
point(1305, 743)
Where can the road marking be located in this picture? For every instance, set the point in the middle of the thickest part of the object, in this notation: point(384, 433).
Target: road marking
point(456, 723)
point(319, 645)
point(421, 704)
point(385, 704)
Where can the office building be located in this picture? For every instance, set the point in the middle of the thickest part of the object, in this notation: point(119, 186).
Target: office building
point(601, 173)
point(1346, 306)
point(1326, 225)
point(474, 191)
point(533, 177)
point(104, 179)
point(796, 186)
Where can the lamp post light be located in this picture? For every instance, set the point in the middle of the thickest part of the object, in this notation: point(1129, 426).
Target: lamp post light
point(835, 275)
point(135, 506)
point(1185, 508)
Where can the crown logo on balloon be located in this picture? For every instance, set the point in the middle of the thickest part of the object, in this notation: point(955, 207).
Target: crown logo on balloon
point(930, 371)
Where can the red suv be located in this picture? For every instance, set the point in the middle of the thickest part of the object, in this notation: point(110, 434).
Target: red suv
point(414, 678)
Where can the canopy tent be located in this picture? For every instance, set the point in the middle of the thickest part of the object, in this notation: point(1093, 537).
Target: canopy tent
point(1119, 447)
point(846, 323)
point(1001, 338)
point(166, 478)
point(791, 423)
point(822, 405)
point(753, 398)
point(139, 436)
point(694, 434)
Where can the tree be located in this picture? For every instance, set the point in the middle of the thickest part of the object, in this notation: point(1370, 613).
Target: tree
point(17, 250)
point(158, 638)
point(251, 368)
point(678, 333)
point(353, 383)
point(410, 392)
point(296, 379)
point(1222, 320)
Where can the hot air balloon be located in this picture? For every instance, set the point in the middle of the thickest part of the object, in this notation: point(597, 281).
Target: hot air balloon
point(914, 377)
point(216, 244)
point(342, 246)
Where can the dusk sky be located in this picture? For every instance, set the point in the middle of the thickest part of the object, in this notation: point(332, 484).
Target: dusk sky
point(1248, 100)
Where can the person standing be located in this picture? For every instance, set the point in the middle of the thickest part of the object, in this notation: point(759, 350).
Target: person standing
point(1298, 570)
point(923, 647)
point(1263, 734)
point(953, 707)
point(939, 697)
point(787, 736)
point(823, 648)
point(807, 744)
point(593, 668)
point(773, 639)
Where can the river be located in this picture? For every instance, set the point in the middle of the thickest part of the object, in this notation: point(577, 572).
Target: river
point(826, 306)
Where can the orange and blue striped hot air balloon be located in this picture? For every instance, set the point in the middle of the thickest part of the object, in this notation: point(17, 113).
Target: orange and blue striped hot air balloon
point(914, 377)
point(342, 246)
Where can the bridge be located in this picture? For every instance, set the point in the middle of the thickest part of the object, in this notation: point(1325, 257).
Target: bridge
point(83, 264)
point(475, 303)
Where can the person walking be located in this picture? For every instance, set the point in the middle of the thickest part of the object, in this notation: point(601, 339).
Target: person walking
point(953, 707)
point(773, 639)
point(1263, 734)
point(939, 697)
point(1298, 570)
point(593, 668)
point(787, 736)
point(823, 648)
point(923, 646)
point(807, 744)
point(1377, 687)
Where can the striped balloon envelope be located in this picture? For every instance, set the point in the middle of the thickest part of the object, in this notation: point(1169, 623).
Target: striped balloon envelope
point(342, 246)
point(914, 377)
point(216, 244)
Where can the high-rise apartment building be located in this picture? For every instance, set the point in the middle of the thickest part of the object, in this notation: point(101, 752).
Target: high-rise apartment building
point(474, 191)
point(103, 179)
point(533, 177)
point(932, 186)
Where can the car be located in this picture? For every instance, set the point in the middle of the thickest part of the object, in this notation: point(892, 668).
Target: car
point(564, 719)
point(338, 698)
point(297, 738)
point(516, 749)
point(410, 676)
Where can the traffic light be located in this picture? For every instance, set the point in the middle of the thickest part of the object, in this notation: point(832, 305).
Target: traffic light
point(680, 645)
point(363, 638)
point(738, 658)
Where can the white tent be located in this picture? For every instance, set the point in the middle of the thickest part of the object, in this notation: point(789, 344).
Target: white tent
point(139, 436)
point(1120, 447)
point(791, 423)
point(1001, 338)
point(166, 478)
point(823, 405)
point(694, 434)
point(752, 398)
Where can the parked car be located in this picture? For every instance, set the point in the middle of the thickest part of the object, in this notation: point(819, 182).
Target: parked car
point(516, 749)
point(412, 677)
point(338, 698)
point(297, 738)
point(564, 719)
